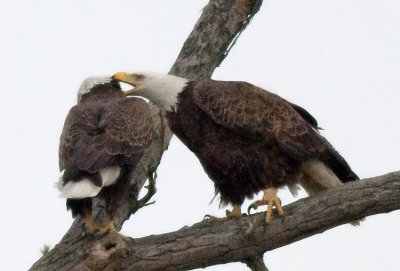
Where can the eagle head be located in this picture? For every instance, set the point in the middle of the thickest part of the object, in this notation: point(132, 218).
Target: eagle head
point(96, 82)
point(161, 89)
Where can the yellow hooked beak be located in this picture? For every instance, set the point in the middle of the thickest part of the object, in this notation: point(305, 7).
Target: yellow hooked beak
point(128, 79)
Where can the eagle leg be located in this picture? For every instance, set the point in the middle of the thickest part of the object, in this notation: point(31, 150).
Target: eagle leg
point(236, 212)
point(92, 228)
point(90, 225)
point(109, 227)
point(271, 199)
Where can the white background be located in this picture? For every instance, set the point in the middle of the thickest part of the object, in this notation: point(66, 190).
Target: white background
point(337, 58)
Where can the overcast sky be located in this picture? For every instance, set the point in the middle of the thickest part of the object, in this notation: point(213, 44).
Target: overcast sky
point(338, 59)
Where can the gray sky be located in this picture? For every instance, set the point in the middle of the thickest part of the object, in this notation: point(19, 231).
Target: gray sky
point(338, 59)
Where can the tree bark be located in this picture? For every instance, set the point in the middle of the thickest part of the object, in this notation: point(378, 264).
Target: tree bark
point(205, 48)
point(212, 242)
point(256, 264)
point(220, 23)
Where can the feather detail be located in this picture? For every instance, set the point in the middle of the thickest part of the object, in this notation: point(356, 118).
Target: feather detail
point(109, 175)
point(318, 177)
point(84, 188)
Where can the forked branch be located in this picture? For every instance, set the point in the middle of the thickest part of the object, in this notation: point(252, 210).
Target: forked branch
point(219, 24)
point(212, 242)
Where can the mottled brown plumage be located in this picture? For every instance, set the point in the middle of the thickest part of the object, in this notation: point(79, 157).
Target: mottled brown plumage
point(104, 130)
point(246, 138)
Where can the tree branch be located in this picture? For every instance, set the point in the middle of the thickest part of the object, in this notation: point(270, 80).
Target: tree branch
point(212, 242)
point(219, 24)
point(256, 264)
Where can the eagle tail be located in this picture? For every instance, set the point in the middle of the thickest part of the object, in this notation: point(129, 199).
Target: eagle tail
point(86, 185)
point(329, 171)
point(319, 176)
point(84, 188)
point(340, 167)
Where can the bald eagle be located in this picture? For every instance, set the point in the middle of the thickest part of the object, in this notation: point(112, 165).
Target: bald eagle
point(247, 139)
point(103, 138)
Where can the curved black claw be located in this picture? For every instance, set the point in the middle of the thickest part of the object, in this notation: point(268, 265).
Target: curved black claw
point(251, 206)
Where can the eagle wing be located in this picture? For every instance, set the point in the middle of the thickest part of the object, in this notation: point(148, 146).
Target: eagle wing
point(128, 127)
point(254, 112)
point(75, 126)
point(93, 136)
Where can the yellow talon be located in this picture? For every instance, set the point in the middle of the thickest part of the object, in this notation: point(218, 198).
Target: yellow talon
point(90, 225)
point(92, 228)
point(271, 199)
point(236, 212)
point(108, 228)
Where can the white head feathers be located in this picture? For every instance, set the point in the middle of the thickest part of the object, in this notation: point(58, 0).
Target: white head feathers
point(162, 89)
point(90, 82)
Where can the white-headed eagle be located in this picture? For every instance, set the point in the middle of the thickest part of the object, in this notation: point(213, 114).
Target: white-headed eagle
point(103, 138)
point(247, 139)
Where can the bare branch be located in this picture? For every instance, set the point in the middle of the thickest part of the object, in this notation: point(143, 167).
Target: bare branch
point(256, 264)
point(254, 7)
point(220, 22)
point(221, 241)
point(151, 190)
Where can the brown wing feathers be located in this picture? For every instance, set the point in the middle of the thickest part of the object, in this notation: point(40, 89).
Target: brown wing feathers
point(92, 135)
point(127, 135)
point(231, 105)
point(247, 109)
point(252, 111)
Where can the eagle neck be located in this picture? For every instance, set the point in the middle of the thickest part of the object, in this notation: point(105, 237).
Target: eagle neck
point(163, 92)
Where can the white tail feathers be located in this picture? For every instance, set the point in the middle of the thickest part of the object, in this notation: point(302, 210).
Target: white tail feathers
point(109, 175)
point(85, 188)
point(59, 185)
point(317, 177)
